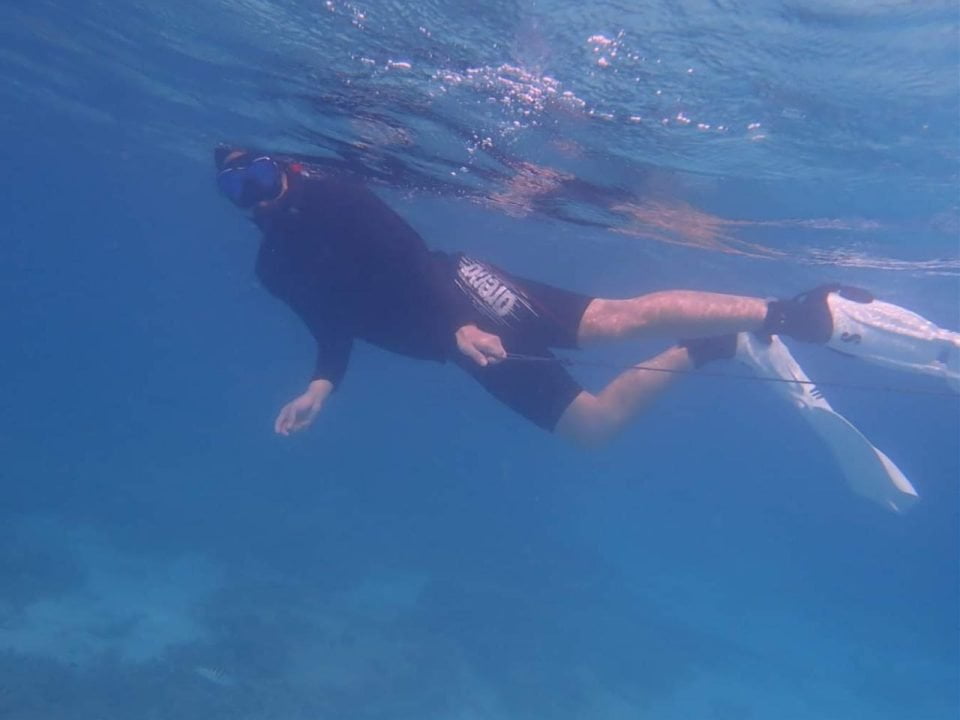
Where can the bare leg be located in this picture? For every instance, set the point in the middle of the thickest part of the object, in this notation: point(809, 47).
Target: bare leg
point(671, 314)
point(592, 419)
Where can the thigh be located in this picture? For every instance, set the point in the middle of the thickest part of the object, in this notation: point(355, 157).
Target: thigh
point(539, 389)
point(607, 319)
point(514, 306)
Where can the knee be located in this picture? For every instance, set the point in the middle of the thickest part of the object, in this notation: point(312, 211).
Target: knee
point(586, 424)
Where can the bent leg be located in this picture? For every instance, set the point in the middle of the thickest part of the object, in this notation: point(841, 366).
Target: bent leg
point(671, 314)
point(591, 419)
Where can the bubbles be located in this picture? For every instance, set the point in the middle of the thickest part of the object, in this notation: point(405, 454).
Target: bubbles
point(754, 134)
point(607, 46)
point(423, 91)
point(522, 93)
point(599, 40)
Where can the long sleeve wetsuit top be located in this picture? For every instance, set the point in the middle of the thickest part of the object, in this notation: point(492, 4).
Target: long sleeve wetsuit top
point(351, 268)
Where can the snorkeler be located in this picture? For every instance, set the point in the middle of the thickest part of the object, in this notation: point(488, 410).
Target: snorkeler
point(352, 268)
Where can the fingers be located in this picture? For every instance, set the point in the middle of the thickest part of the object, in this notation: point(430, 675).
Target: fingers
point(302, 420)
point(488, 351)
point(499, 353)
point(474, 354)
point(281, 425)
point(295, 416)
point(286, 421)
point(482, 347)
point(492, 349)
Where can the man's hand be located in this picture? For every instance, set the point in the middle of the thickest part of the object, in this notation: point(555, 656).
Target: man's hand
point(300, 412)
point(481, 347)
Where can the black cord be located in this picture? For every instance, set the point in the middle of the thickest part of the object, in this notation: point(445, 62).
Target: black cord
point(706, 373)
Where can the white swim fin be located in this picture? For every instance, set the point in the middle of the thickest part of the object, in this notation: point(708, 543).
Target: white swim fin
point(867, 470)
point(890, 335)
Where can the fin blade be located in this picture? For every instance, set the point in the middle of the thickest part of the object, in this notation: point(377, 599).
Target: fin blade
point(867, 470)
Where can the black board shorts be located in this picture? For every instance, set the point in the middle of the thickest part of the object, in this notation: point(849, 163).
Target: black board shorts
point(530, 318)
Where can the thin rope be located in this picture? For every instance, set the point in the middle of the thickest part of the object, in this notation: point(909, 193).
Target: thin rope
point(732, 376)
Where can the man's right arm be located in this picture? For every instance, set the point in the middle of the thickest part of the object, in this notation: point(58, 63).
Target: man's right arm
point(319, 389)
point(482, 347)
point(301, 411)
point(333, 355)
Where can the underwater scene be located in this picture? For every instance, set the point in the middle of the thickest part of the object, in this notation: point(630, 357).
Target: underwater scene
point(507, 360)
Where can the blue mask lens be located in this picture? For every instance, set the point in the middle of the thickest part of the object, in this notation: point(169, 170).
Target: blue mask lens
point(246, 185)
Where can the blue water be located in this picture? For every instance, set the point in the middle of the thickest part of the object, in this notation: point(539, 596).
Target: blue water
point(421, 552)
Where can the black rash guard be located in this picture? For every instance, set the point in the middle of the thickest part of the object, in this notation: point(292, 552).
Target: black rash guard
point(350, 267)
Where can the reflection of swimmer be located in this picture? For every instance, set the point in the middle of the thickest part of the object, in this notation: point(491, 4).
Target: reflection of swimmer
point(681, 224)
point(530, 182)
point(351, 268)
